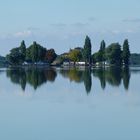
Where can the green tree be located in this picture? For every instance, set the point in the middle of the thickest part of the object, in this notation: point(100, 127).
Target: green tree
point(22, 49)
point(35, 53)
point(113, 54)
point(87, 50)
point(75, 55)
point(102, 50)
point(126, 52)
point(15, 57)
point(97, 57)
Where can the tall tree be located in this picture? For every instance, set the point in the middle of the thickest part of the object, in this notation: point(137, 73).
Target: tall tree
point(22, 49)
point(35, 53)
point(126, 52)
point(87, 50)
point(102, 50)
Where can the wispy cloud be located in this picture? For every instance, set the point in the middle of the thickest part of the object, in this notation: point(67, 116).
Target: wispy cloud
point(134, 20)
point(25, 33)
point(80, 24)
point(59, 25)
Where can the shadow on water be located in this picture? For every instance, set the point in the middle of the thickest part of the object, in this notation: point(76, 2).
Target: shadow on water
point(38, 76)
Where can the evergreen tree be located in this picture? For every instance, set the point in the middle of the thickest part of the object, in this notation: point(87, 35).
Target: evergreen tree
point(102, 50)
point(126, 52)
point(22, 49)
point(87, 50)
point(35, 53)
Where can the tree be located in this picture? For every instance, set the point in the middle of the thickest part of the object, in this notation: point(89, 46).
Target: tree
point(15, 57)
point(126, 52)
point(22, 49)
point(97, 57)
point(50, 55)
point(87, 50)
point(113, 54)
point(35, 53)
point(102, 50)
point(75, 55)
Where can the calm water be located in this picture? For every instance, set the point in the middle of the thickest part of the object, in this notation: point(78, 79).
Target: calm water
point(70, 104)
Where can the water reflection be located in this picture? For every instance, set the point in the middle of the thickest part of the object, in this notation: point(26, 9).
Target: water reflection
point(113, 76)
point(38, 76)
point(79, 76)
point(34, 76)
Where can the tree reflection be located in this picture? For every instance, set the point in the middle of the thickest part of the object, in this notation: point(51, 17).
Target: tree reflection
point(79, 76)
point(38, 76)
point(100, 73)
point(126, 77)
point(113, 76)
point(34, 76)
point(87, 80)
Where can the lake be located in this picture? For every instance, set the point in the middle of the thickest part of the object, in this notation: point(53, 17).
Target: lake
point(70, 104)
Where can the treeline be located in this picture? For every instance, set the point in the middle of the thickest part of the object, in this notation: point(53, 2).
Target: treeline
point(114, 54)
point(33, 54)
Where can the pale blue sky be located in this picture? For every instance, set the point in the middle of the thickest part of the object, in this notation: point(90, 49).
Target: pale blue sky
point(63, 24)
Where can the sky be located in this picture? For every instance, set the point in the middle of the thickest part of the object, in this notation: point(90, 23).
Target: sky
point(64, 24)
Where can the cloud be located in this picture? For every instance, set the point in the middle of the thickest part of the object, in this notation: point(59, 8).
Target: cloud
point(116, 31)
point(59, 25)
point(134, 20)
point(25, 33)
point(80, 24)
point(91, 19)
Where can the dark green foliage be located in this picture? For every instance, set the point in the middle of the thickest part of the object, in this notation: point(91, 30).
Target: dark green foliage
point(113, 54)
point(126, 52)
point(35, 53)
point(15, 57)
point(87, 50)
point(97, 57)
point(102, 51)
point(22, 49)
point(100, 55)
